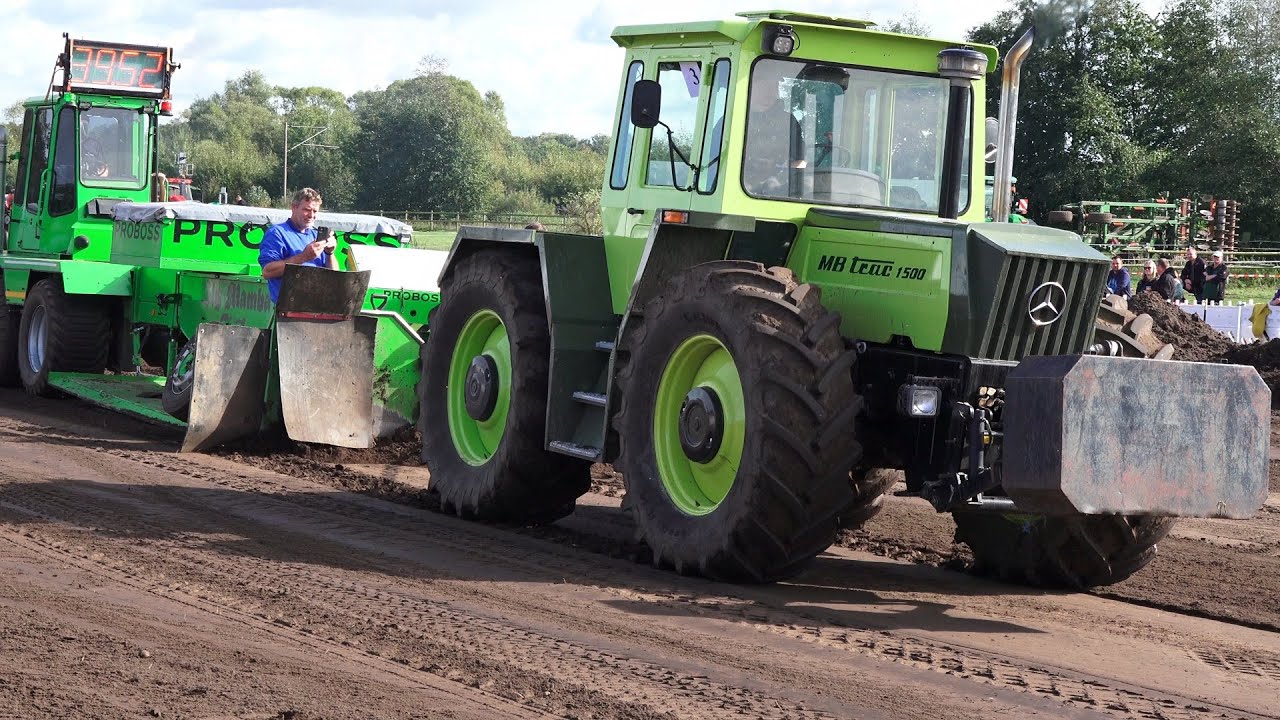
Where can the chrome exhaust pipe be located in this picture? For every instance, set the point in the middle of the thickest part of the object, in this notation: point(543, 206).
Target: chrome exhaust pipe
point(1009, 81)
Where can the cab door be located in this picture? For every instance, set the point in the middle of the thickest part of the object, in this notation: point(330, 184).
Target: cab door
point(658, 170)
point(33, 165)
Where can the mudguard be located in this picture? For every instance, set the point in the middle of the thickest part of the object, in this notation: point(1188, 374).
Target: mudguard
point(1108, 435)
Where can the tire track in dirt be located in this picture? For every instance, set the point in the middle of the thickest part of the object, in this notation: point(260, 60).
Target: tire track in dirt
point(136, 579)
point(1063, 686)
point(437, 632)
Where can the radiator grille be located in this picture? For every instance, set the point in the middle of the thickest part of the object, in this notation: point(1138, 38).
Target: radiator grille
point(1011, 334)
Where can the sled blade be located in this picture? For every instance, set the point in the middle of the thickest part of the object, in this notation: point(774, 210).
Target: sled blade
point(231, 369)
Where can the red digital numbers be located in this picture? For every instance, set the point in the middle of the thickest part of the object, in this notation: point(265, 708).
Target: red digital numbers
point(125, 68)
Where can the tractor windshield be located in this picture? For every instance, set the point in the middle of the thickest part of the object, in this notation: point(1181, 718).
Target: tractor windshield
point(114, 147)
point(839, 135)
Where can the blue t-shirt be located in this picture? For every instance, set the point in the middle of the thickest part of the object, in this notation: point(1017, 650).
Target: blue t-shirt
point(283, 241)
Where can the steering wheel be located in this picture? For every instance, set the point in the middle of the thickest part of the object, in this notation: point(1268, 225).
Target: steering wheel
point(839, 155)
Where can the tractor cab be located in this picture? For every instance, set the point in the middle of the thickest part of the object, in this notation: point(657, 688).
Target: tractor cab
point(87, 145)
point(773, 114)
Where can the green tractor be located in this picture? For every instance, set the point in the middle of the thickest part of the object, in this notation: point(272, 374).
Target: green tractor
point(781, 310)
point(100, 281)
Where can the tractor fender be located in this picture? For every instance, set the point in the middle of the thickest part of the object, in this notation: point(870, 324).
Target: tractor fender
point(96, 278)
point(470, 240)
point(674, 246)
point(16, 282)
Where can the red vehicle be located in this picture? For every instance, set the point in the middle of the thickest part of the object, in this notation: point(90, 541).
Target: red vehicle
point(181, 189)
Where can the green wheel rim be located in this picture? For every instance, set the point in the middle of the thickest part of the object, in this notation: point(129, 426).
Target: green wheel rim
point(477, 440)
point(183, 369)
point(699, 488)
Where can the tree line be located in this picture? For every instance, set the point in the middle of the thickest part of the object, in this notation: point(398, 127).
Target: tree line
point(431, 142)
point(1118, 105)
point(1115, 105)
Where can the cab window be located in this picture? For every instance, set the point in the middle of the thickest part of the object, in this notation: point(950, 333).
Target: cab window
point(626, 132)
point(681, 83)
point(713, 130)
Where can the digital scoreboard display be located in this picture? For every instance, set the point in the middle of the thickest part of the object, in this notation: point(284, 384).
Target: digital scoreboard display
point(116, 68)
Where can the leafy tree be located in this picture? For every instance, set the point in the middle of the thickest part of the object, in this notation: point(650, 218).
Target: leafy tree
point(1082, 98)
point(321, 114)
point(11, 120)
point(427, 143)
point(1218, 77)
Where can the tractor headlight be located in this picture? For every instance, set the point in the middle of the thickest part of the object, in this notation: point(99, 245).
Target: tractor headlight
point(919, 401)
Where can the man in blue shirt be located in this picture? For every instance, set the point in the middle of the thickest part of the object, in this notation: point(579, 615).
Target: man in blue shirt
point(1117, 279)
point(294, 242)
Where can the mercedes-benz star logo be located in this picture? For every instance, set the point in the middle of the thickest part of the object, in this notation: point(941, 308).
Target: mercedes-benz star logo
point(1045, 303)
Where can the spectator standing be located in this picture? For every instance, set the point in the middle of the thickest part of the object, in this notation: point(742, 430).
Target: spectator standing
point(1118, 279)
point(1149, 278)
point(1168, 285)
point(295, 242)
point(1215, 278)
point(1193, 274)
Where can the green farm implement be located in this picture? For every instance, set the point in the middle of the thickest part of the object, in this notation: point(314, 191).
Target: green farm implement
point(1154, 227)
point(100, 283)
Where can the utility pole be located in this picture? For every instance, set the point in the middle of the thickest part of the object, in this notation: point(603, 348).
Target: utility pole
point(316, 131)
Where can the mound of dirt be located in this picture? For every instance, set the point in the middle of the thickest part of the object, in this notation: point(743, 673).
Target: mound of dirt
point(1265, 357)
point(402, 448)
point(1192, 338)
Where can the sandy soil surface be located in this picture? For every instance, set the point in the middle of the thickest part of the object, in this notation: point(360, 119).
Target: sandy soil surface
point(143, 583)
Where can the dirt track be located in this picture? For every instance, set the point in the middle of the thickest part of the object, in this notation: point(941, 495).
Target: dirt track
point(142, 583)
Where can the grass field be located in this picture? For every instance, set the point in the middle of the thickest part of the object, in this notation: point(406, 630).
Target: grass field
point(433, 240)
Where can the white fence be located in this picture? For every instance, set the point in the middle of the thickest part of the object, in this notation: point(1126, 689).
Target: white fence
point(1234, 321)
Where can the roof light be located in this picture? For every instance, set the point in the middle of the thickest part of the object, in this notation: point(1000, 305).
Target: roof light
point(779, 40)
point(961, 63)
point(166, 107)
point(675, 217)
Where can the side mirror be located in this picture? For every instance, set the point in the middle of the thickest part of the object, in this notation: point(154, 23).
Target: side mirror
point(646, 102)
point(993, 135)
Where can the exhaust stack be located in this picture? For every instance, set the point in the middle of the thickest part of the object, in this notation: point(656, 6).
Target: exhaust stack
point(1009, 81)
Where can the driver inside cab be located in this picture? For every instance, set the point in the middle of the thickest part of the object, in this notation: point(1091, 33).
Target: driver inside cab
point(774, 139)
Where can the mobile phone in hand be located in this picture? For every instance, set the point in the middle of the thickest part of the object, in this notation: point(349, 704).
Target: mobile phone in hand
point(325, 235)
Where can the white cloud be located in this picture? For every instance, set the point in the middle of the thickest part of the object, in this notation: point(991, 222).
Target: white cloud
point(552, 62)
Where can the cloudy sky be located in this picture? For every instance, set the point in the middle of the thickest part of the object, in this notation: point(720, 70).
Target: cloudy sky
point(551, 61)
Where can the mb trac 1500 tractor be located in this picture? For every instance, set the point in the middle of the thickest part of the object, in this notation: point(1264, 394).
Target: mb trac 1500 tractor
point(797, 290)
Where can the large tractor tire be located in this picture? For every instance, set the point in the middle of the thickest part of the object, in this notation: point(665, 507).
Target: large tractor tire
point(484, 397)
point(10, 319)
point(1061, 218)
point(737, 423)
point(176, 396)
point(61, 333)
point(1078, 551)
